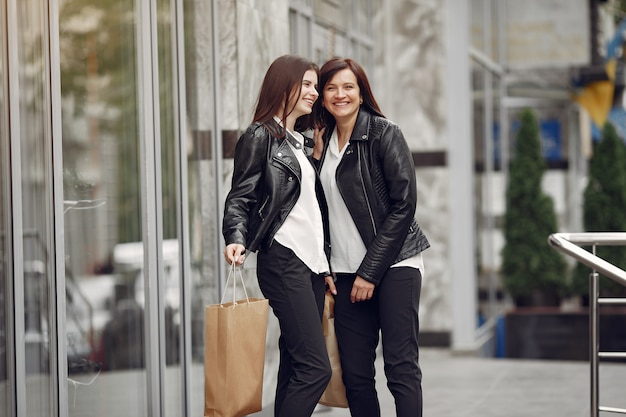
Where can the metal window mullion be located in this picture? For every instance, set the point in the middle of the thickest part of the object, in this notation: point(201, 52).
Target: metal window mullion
point(217, 144)
point(148, 124)
point(158, 204)
point(16, 332)
point(178, 68)
point(58, 347)
point(502, 111)
point(488, 156)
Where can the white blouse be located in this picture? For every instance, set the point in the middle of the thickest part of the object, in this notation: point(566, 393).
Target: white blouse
point(303, 230)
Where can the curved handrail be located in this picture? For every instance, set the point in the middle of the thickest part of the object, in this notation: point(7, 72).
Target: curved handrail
point(568, 243)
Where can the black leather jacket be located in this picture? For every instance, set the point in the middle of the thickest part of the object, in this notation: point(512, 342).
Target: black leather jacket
point(265, 187)
point(376, 178)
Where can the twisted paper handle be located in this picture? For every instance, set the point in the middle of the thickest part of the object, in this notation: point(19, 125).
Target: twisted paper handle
point(232, 273)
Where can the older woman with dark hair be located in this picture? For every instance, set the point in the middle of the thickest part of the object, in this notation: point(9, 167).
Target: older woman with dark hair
point(276, 207)
point(367, 172)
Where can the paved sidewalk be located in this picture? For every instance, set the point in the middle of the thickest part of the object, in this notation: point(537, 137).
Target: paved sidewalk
point(462, 386)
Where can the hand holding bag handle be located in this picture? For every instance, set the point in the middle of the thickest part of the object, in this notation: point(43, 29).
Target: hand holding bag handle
point(232, 273)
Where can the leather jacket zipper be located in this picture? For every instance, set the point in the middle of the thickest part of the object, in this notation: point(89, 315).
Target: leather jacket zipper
point(260, 210)
point(369, 206)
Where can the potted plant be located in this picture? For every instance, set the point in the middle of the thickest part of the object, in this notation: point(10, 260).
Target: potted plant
point(533, 273)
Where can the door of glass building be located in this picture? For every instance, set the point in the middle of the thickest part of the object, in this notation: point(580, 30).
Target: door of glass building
point(139, 202)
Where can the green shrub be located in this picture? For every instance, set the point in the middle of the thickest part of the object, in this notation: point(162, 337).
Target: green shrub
point(531, 269)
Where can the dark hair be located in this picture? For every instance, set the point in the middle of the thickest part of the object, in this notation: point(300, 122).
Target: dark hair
point(327, 72)
point(282, 84)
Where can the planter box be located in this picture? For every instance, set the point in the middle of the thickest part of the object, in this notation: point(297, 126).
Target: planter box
point(548, 333)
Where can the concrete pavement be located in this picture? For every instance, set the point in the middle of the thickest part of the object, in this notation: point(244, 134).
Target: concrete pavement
point(462, 386)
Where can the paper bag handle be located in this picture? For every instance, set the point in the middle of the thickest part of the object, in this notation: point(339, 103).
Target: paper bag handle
point(232, 273)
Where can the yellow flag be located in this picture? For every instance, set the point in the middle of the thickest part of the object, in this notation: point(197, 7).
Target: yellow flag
point(597, 97)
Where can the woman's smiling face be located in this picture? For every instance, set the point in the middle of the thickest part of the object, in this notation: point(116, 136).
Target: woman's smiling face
point(342, 95)
point(307, 95)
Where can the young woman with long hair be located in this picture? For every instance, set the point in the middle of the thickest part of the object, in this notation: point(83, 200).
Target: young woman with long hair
point(276, 206)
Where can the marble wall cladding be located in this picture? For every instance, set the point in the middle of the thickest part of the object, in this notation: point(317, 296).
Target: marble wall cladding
point(432, 213)
point(199, 67)
point(229, 89)
point(252, 34)
point(409, 63)
point(262, 36)
point(410, 35)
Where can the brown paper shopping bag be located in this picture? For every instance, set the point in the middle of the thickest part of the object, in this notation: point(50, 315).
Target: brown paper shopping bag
point(234, 355)
point(335, 393)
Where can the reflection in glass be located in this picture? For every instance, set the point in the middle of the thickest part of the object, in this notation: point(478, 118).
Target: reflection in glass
point(36, 200)
point(102, 200)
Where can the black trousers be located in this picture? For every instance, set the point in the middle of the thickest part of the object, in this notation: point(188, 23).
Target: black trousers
point(296, 296)
point(392, 312)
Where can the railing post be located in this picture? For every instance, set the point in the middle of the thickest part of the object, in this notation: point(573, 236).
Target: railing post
point(593, 343)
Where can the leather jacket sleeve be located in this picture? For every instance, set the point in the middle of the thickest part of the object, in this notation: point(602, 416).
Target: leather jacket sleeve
point(394, 184)
point(243, 198)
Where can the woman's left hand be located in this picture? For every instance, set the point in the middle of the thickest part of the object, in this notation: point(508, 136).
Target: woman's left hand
point(362, 290)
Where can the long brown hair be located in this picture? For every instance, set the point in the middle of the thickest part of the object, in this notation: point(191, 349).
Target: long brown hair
point(281, 87)
point(327, 72)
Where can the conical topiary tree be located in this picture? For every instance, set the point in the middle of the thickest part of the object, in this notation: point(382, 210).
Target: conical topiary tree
point(604, 207)
point(532, 271)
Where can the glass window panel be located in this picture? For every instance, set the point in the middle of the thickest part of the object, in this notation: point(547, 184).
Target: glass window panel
point(342, 45)
point(299, 27)
point(477, 25)
point(102, 198)
point(35, 144)
point(361, 16)
point(323, 44)
point(334, 13)
point(485, 35)
point(496, 26)
point(300, 3)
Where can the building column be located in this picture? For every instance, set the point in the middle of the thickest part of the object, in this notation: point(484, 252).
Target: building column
point(460, 161)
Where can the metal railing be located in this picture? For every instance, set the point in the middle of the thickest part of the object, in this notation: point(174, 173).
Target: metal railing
point(569, 243)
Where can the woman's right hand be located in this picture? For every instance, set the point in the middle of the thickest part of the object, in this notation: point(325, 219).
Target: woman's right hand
point(235, 252)
point(318, 142)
